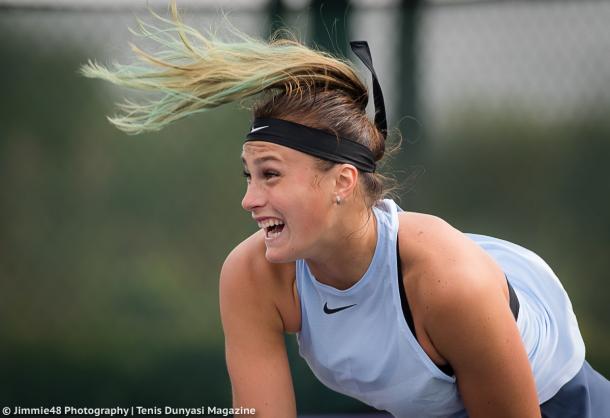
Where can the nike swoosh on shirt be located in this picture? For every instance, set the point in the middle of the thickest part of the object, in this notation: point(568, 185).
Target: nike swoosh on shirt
point(328, 310)
point(258, 129)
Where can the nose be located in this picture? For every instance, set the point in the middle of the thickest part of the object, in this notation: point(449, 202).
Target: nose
point(253, 198)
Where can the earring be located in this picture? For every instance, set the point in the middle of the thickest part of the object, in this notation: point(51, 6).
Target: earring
point(338, 199)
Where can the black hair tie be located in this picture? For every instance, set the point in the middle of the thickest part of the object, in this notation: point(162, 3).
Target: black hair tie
point(362, 51)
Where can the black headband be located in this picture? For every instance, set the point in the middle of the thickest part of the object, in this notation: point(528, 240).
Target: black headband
point(312, 141)
point(320, 143)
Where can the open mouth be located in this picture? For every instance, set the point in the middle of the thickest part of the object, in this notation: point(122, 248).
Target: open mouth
point(274, 231)
point(273, 228)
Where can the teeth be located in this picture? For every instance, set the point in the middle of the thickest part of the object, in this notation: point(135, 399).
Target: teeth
point(269, 222)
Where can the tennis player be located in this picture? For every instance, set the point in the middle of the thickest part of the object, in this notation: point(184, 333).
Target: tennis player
point(397, 309)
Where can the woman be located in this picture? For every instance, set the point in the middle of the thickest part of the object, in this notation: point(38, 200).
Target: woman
point(397, 309)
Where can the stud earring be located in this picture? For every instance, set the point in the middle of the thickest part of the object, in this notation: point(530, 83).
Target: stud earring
point(338, 199)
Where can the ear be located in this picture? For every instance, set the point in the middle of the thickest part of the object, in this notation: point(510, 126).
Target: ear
point(346, 180)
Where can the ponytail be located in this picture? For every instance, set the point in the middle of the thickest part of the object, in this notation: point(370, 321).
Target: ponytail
point(197, 72)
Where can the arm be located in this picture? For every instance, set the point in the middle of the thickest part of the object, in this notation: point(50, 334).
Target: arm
point(254, 341)
point(471, 326)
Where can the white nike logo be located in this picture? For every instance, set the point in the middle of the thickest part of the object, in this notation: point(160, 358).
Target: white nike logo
point(258, 129)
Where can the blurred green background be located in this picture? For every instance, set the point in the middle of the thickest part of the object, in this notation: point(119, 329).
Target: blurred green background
point(111, 245)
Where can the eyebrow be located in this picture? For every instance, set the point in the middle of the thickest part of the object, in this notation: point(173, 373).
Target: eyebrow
point(262, 159)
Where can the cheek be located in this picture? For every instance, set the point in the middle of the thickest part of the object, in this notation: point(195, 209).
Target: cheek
point(310, 198)
point(307, 201)
point(312, 211)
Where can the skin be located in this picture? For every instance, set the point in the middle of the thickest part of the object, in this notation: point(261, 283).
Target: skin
point(443, 272)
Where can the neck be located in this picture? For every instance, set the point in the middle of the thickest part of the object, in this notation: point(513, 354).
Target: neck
point(342, 261)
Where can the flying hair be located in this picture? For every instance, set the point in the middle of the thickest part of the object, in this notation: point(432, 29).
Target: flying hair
point(196, 72)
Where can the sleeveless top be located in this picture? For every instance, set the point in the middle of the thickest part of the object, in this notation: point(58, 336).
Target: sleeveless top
point(357, 342)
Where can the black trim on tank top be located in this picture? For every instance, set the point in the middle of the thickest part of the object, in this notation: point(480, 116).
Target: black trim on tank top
point(406, 310)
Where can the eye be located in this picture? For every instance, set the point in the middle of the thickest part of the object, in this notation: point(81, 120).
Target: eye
point(270, 174)
point(246, 175)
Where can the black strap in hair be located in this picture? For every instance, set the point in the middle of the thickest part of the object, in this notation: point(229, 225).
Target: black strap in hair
point(362, 51)
point(313, 142)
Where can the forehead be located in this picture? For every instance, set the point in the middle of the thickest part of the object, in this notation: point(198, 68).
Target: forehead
point(258, 151)
point(251, 148)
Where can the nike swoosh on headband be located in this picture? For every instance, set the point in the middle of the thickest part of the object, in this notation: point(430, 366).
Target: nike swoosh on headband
point(328, 310)
point(258, 128)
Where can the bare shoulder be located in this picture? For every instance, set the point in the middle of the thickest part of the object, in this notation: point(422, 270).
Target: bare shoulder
point(459, 300)
point(444, 271)
point(429, 241)
point(247, 260)
point(248, 282)
point(442, 264)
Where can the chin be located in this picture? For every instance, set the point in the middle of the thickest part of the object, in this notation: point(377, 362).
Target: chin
point(274, 256)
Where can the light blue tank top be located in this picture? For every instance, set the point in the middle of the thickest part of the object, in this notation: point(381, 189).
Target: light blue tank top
point(357, 342)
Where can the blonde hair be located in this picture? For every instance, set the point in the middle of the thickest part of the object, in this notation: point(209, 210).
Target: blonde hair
point(196, 72)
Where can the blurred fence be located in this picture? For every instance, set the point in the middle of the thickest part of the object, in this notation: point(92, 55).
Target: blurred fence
point(110, 247)
point(547, 57)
